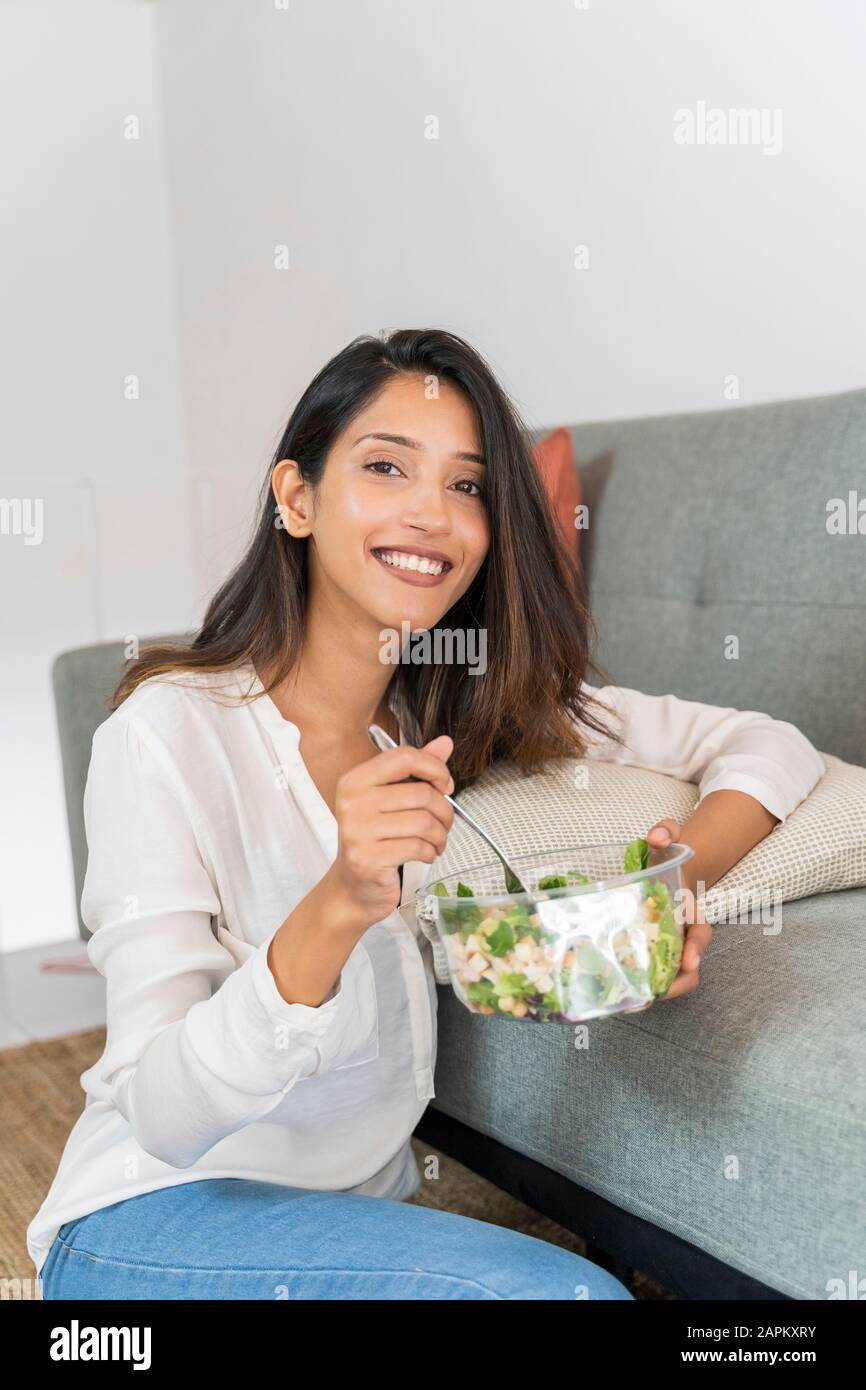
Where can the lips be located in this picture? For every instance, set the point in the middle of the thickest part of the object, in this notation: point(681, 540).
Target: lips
point(422, 552)
point(417, 577)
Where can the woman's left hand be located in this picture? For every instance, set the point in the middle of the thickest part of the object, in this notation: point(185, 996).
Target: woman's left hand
point(698, 932)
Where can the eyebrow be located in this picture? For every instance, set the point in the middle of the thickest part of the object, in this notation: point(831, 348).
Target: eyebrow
point(416, 444)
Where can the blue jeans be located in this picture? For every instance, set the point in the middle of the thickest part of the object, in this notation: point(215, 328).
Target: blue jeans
point(231, 1238)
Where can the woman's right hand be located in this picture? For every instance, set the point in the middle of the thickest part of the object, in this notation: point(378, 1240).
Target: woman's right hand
point(384, 821)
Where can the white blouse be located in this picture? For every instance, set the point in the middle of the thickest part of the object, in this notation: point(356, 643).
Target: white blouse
point(204, 831)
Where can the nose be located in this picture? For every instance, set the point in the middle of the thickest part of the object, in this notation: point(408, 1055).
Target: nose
point(426, 505)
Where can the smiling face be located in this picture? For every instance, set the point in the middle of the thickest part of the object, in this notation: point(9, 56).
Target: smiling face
point(399, 528)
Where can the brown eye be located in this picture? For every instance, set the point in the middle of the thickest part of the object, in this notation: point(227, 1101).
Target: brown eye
point(481, 491)
point(387, 463)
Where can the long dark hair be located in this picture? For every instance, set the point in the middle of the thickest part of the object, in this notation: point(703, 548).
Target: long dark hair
point(529, 594)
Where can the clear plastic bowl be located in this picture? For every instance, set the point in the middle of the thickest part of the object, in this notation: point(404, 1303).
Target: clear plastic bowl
point(582, 951)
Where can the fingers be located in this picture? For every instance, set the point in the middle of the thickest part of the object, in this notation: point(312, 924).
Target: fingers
point(442, 746)
point(415, 796)
point(684, 983)
point(697, 933)
point(661, 837)
point(423, 825)
point(698, 937)
point(391, 853)
point(664, 832)
point(395, 803)
point(397, 763)
point(402, 796)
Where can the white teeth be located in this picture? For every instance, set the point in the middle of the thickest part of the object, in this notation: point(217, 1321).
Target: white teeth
point(411, 562)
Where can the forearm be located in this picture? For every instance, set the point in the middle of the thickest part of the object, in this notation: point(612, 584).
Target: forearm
point(310, 948)
point(723, 828)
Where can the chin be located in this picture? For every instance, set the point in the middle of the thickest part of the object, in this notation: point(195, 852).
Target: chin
point(417, 617)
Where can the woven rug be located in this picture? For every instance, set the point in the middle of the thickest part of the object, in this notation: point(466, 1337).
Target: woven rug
point(41, 1098)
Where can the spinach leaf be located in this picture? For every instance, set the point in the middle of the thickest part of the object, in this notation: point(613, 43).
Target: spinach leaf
point(636, 856)
point(501, 940)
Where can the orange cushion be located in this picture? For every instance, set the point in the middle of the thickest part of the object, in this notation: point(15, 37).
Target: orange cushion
point(558, 469)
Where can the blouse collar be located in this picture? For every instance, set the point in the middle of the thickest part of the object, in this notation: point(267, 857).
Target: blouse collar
point(270, 715)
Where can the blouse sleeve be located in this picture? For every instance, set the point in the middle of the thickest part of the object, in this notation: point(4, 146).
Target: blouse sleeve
point(197, 1046)
point(719, 748)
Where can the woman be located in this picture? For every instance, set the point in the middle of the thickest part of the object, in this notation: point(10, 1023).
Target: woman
point(271, 1016)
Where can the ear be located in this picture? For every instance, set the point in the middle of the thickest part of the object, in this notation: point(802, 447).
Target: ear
point(290, 496)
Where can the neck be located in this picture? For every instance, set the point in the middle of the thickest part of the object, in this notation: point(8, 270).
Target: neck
point(338, 685)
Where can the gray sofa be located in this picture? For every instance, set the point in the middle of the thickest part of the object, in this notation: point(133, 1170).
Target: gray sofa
point(718, 1141)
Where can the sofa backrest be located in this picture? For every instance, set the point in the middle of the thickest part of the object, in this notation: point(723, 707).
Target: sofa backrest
point(711, 526)
point(84, 680)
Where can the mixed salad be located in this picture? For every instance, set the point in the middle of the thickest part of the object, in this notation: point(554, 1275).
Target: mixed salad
point(574, 957)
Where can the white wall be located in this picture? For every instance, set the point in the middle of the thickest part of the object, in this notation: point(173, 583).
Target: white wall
point(305, 126)
point(86, 283)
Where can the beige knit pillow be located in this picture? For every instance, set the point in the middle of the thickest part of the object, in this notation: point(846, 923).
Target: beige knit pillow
point(820, 848)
